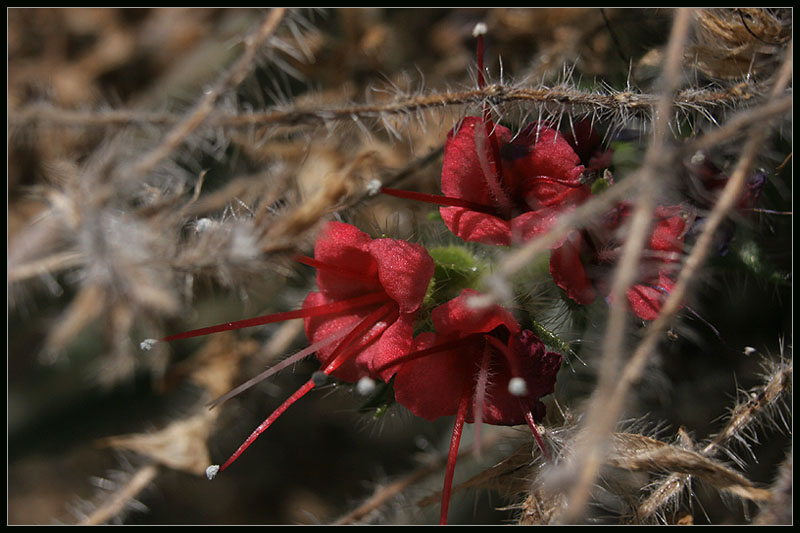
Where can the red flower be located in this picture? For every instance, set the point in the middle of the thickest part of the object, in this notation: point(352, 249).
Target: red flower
point(578, 266)
point(586, 142)
point(370, 292)
point(703, 182)
point(518, 187)
point(478, 365)
point(350, 265)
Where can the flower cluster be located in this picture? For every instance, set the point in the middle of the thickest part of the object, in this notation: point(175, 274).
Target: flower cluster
point(476, 364)
point(374, 316)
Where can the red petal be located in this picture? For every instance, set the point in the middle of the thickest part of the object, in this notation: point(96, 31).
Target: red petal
point(473, 226)
point(395, 342)
point(457, 318)
point(548, 154)
point(404, 270)
point(462, 176)
point(568, 272)
point(431, 387)
point(321, 327)
point(647, 300)
point(346, 247)
point(668, 231)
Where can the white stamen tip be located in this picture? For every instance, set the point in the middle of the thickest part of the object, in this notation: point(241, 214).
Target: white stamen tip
point(374, 187)
point(365, 386)
point(212, 471)
point(749, 350)
point(517, 387)
point(203, 224)
point(147, 344)
point(479, 29)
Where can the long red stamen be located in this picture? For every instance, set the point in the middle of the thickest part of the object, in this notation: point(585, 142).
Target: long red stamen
point(452, 454)
point(480, 396)
point(359, 329)
point(299, 393)
point(532, 424)
point(491, 167)
point(572, 184)
point(478, 33)
point(510, 355)
point(340, 355)
point(443, 347)
point(447, 201)
point(292, 359)
point(327, 309)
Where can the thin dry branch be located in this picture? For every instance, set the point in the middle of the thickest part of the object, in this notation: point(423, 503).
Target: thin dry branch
point(589, 450)
point(120, 499)
point(228, 82)
point(726, 202)
point(628, 101)
point(760, 402)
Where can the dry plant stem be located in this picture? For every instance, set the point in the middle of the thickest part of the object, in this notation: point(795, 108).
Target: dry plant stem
point(626, 102)
point(229, 81)
point(739, 122)
point(384, 494)
point(51, 263)
point(589, 453)
point(120, 498)
point(742, 416)
point(726, 202)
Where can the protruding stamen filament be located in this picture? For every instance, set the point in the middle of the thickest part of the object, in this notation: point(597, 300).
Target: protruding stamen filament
point(327, 309)
point(532, 425)
point(299, 393)
point(510, 355)
point(447, 201)
point(478, 32)
point(452, 454)
point(488, 153)
point(302, 354)
point(480, 396)
point(340, 354)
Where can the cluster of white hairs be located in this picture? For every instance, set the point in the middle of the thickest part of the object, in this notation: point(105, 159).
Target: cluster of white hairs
point(222, 192)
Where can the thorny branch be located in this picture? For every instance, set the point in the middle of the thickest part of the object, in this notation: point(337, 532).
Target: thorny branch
point(628, 101)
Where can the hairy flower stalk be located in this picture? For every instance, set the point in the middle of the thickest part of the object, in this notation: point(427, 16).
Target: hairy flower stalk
point(369, 294)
